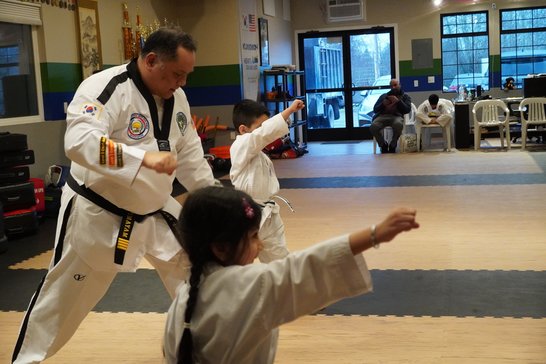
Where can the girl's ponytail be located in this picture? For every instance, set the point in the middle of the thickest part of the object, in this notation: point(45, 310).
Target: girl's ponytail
point(212, 216)
point(185, 349)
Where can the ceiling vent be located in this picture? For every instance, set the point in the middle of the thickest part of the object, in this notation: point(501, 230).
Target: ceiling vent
point(344, 10)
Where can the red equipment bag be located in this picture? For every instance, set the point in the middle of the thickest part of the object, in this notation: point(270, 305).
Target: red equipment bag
point(39, 192)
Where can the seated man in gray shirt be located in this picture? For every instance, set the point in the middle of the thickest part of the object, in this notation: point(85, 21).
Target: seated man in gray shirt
point(389, 111)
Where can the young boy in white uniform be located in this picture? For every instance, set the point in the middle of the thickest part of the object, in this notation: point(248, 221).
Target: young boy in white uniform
point(432, 111)
point(252, 170)
point(128, 135)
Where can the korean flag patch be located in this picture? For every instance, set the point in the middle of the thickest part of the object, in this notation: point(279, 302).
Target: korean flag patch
point(90, 109)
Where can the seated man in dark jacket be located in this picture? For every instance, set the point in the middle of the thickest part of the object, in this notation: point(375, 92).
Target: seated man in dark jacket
point(389, 111)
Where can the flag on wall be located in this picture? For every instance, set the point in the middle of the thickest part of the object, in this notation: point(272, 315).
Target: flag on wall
point(252, 22)
point(250, 62)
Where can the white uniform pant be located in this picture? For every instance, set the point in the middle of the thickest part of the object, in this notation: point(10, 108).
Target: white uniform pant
point(443, 120)
point(68, 292)
point(272, 235)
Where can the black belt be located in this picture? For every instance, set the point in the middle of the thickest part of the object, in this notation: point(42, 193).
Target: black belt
point(128, 218)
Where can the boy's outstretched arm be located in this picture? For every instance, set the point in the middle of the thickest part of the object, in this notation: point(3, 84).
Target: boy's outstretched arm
point(296, 105)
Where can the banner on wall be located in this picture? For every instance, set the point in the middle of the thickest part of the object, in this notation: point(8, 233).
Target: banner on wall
point(249, 48)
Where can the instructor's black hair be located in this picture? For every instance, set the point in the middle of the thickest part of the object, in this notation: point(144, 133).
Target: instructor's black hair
point(165, 42)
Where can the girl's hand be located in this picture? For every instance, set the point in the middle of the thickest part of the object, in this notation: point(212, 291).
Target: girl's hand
point(399, 220)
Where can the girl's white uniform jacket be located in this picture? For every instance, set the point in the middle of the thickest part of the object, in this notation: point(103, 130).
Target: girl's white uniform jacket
point(123, 116)
point(239, 308)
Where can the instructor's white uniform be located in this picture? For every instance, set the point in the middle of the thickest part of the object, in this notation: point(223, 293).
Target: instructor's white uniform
point(252, 171)
point(111, 122)
point(239, 308)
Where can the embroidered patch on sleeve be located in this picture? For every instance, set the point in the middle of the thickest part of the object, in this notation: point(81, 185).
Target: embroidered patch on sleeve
point(102, 148)
point(111, 153)
point(91, 109)
point(119, 155)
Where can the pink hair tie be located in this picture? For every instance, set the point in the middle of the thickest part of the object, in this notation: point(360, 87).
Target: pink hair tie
point(249, 211)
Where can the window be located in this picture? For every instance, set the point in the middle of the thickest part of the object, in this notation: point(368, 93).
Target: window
point(465, 51)
point(20, 89)
point(522, 43)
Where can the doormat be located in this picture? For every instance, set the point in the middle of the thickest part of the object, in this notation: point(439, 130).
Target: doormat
point(342, 142)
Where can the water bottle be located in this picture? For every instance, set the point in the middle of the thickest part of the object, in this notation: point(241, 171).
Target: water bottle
point(461, 93)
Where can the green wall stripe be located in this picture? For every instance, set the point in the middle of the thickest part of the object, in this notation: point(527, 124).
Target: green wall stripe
point(222, 75)
point(494, 63)
point(61, 77)
point(406, 69)
point(66, 77)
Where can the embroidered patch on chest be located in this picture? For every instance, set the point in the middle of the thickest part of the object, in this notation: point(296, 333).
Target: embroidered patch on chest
point(138, 126)
point(182, 122)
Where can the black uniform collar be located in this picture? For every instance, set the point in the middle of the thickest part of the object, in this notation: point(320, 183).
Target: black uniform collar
point(160, 133)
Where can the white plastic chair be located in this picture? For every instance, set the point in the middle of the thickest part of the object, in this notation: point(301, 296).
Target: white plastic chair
point(490, 118)
point(532, 113)
point(409, 120)
point(420, 127)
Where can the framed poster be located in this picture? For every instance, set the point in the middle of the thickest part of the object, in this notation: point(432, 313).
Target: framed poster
point(264, 41)
point(89, 35)
point(269, 7)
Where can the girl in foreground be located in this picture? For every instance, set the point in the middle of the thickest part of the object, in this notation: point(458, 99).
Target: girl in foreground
point(230, 310)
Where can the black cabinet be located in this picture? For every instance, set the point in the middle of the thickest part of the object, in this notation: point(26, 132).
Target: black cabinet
point(280, 88)
point(463, 139)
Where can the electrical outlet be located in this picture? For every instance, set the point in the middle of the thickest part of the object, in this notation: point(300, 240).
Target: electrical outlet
point(415, 83)
point(65, 105)
point(232, 135)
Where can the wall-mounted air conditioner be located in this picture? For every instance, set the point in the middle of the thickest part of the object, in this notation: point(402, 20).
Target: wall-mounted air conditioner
point(344, 10)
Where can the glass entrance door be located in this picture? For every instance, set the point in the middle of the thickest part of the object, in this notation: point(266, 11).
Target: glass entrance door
point(344, 72)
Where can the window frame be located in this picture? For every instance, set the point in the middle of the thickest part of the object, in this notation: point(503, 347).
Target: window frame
point(472, 34)
point(516, 31)
point(39, 95)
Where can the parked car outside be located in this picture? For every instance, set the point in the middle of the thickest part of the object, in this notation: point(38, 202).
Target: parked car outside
point(468, 80)
point(369, 98)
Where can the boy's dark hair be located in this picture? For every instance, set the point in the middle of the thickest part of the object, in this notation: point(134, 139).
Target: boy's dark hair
point(212, 216)
point(165, 42)
point(247, 111)
point(433, 99)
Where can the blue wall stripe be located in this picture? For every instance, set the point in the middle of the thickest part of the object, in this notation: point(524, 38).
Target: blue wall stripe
point(54, 104)
point(197, 96)
point(214, 95)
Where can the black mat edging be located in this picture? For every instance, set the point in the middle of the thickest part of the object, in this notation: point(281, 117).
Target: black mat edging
point(467, 293)
point(413, 181)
